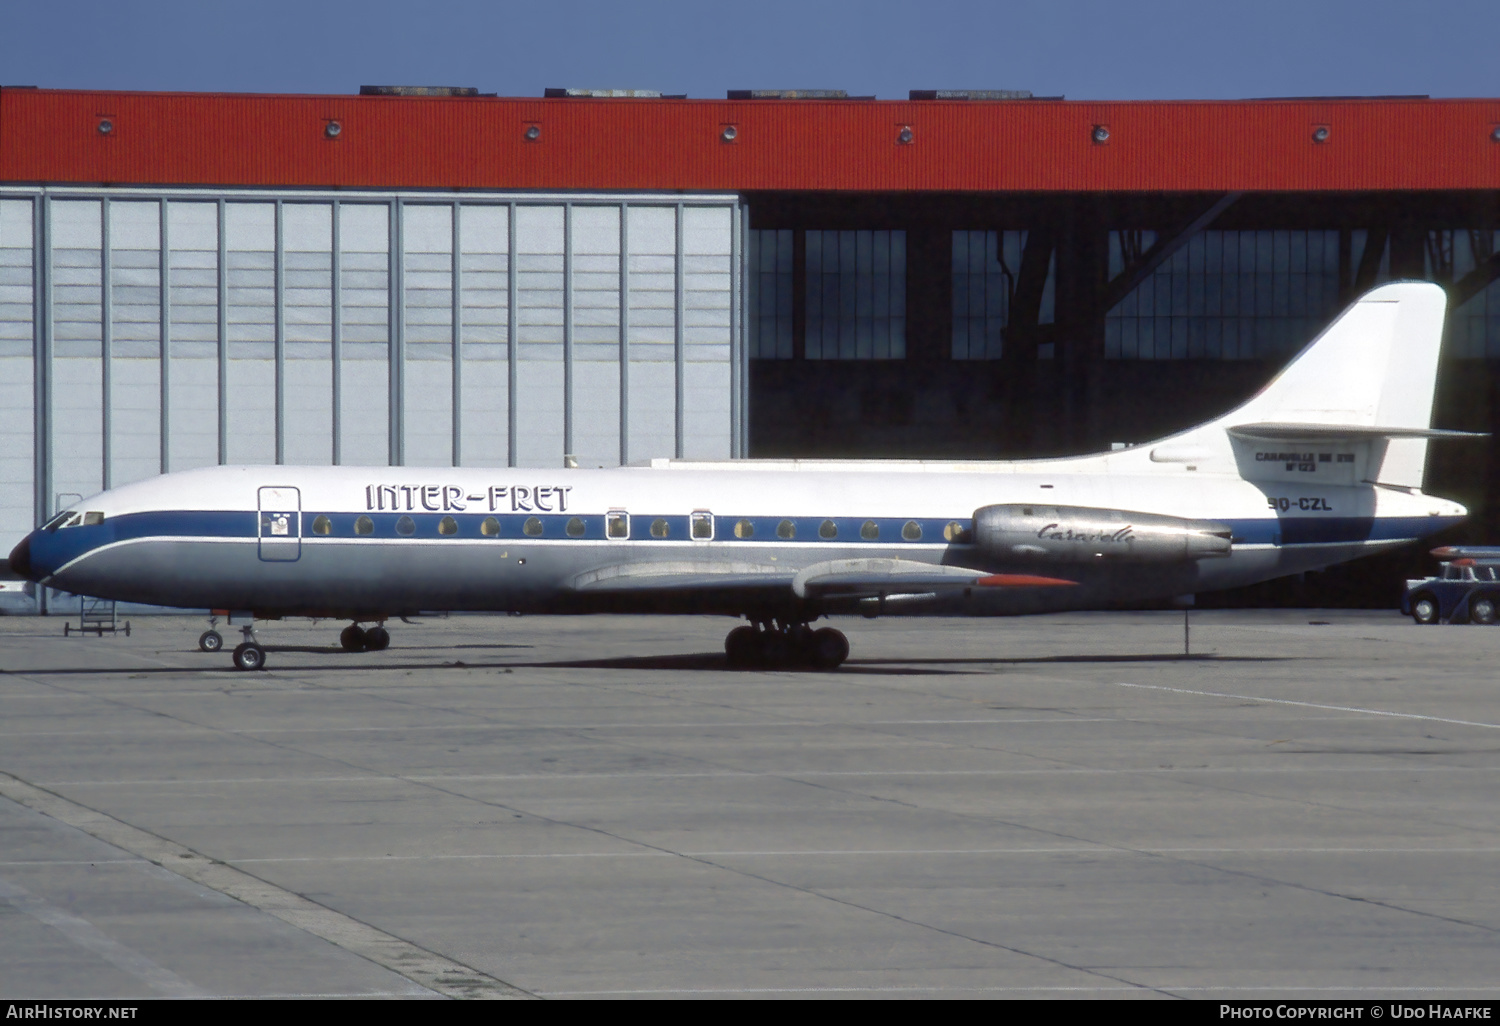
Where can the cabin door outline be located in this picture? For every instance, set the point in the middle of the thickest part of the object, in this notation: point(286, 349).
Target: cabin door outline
point(279, 514)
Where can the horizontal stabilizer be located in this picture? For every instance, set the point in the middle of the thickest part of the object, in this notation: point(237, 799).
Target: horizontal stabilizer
point(1344, 432)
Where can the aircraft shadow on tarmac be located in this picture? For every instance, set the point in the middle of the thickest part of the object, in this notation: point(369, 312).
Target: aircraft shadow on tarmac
point(693, 662)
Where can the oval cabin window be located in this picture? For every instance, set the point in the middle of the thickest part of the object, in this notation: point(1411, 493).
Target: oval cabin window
point(659, 528)
point(364, 525)
point(870, 531)
point(447, 525)
point(532, 528)
point(406, 525)
point(490, 528)
point(744, 529)
point(828, 529)
point(322, 525)
point(912, 531)
point(576, 527)
point(786, 529)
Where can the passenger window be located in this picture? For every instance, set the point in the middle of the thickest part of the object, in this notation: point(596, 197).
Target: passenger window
point(786, 529)
point(576, 527)
point(406, 526)
point(490, 528)
point(912, 531)
point(364, 525)
point(870, 531)
point(744, 529)
point(701, 525)
point(447, 525)
point(955, 532)
point(322, 525)
point(617, 524)
point(532, 528)
point(92, 519)
point(828, 529)
point(659, 528)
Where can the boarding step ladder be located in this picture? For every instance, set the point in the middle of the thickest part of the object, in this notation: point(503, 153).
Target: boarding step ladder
point(96, 617)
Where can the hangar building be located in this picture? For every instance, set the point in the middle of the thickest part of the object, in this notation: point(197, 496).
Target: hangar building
point(433, 276)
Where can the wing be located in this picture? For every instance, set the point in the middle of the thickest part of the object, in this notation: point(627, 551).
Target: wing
point(859, 577)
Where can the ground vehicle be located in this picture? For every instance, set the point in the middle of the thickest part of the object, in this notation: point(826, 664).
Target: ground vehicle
point(1466, 588)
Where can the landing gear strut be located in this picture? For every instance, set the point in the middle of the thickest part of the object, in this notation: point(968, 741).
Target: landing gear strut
point(773, 644)
point(356, 639)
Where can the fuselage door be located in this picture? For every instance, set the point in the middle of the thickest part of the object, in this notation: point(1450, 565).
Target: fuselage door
point(280, 524)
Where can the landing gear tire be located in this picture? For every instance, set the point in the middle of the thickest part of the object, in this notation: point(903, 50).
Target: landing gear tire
point(1424, 610)
point(827, 648)
point(210, 641)
point(377, 639)
point(1482, 610)
point(250, 656)
point(353, 638)
point(742, 647)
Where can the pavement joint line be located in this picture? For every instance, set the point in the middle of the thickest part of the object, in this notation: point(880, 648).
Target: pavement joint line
point(425, 968)
point(89, 937)
point(840, 853)
point(1311, 705)
point(426, 778)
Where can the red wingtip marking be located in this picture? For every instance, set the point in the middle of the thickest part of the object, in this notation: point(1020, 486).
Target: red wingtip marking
point(1443, 552)
point(1022, 581)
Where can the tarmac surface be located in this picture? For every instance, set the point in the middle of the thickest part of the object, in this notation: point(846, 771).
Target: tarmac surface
point(1057, 806)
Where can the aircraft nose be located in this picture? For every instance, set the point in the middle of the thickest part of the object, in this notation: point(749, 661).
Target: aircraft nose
point(20, 559)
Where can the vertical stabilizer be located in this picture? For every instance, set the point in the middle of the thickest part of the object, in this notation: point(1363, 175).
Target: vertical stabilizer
point(1372, 371)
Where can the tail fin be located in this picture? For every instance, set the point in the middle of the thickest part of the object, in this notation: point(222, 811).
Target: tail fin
point(1368, 378)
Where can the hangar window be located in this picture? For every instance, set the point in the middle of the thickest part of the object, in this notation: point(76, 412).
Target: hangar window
point(828, 529)
point(1231, 295)
point(576, 527)
point(702, 525)
point(786, 529)
point(869, 531)
point(1465, 258)
point(912, 531)
point(406, 526)
point(364, 525)
point(490, 528)
point(447, 525)
point(769, 306)
point(659, 528)
point(1001, 280)
point(856, 295)
point(532, 528)
point(617, 524)
point(322, 525)
point(744, 529)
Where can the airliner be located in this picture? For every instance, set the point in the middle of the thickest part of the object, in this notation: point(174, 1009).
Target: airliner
point(1325, 464)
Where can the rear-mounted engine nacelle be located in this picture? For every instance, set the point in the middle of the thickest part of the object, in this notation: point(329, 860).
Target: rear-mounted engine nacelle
point(1081, 534)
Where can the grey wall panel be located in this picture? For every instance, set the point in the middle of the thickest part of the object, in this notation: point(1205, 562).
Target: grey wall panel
point(428, 279)
point(539, 331)
point(652, 421)
point(307, 275)
point(596, 335)
point(364, 238)
point(484, 303)
point(250, 317)
point(135, 340)
point(193, 305)
point(16, 383)
point(652, 393)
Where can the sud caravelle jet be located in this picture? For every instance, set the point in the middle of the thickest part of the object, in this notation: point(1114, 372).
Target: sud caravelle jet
point(1324, 465)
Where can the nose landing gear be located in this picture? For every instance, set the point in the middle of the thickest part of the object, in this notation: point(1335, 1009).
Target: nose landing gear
point(775, 644)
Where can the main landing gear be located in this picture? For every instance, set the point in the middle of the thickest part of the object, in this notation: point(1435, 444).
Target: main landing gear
point(774, 644)
point(248, 655)
point(355, 638)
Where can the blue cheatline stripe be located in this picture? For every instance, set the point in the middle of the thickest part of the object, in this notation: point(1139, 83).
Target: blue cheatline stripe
point(63, 546)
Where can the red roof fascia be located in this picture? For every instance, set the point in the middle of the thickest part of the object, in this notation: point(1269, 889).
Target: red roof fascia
point(603, 144)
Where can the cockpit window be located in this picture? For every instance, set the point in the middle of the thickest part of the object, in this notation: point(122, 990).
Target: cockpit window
point(67, 518)
point(92, 519)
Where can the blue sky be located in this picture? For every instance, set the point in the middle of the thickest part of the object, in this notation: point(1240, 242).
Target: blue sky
point(1084, 49)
